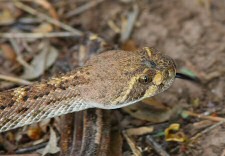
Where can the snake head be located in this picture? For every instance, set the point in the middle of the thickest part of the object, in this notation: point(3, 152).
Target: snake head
point(159, 69)
point(119, 78)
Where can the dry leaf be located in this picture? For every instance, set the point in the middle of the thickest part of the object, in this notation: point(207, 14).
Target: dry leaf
point(6, 17)
point(51, 147)
point(177, 136)
point(44, 124)
point(44, 28)
point(41, 62)
point(139, 131)
point(8, 52)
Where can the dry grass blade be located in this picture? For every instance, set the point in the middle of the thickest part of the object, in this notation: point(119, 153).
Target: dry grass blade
point(37, 35)
point(212, 118)
point(83, 8)
point(139, 131)
point(52, 146)
point(128, 26)
point(15, 80)
point(136, 151)
point(30, 149)
point(207, 130)
point(41, 62)
point(47, 18)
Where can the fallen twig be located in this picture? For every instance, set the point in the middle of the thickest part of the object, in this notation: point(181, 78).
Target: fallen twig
point(37, 35)
point(136, 151)
point(207, 130)
point(31, 149)
point(156, 146)
point(213, 118)
point(15, 80)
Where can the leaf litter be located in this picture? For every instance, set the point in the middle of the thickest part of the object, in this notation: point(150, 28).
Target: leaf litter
point(158, 23)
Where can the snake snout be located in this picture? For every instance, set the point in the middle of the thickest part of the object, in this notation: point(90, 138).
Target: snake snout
point(167, 70)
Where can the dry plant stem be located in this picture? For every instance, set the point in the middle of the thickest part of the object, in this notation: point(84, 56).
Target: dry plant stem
point(217, 119)
point(113, 26)
point(207, 130)
point(136, 132)
point(128, 26)
point(18, 0)
point(37, 35)
point(47, 18)
point(15, 80)
point(156, 146)
point(139, 131)
point(31, 148)
point(83, 8)
point(136, 151)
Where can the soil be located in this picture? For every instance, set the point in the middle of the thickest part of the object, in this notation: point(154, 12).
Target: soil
point(192, 33)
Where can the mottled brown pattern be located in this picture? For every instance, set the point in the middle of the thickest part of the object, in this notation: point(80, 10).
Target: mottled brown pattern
point(6, 99)
point(19, 101)
point(109, 80)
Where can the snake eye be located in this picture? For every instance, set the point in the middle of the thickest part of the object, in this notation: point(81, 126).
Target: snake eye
point(144, 79)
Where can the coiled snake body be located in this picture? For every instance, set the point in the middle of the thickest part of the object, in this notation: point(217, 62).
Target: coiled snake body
point(110, 80)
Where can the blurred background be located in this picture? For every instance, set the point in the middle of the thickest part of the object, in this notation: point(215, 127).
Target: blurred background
point(39, 38)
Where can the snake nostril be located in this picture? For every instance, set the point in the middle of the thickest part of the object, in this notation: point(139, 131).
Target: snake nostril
point(153, 64)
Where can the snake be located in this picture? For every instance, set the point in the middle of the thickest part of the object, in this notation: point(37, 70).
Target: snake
point(109, 80)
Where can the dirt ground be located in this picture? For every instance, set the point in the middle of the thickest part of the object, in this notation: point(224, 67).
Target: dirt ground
point(192, 33)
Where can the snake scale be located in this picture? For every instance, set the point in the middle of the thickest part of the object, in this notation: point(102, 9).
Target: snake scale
point(109, 80)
